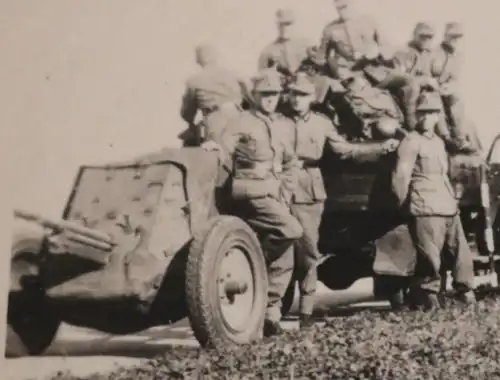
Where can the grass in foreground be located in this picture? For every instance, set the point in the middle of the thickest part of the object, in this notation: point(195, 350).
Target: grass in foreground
point(454, 343)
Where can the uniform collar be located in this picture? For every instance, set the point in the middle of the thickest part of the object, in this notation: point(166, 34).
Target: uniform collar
point(261, 115)
point(413, 45)
point(306, 117)
point(447, 48)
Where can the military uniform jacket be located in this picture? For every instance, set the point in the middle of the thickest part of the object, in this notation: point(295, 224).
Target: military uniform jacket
point(212, 87)
point(289, 55)
point(413, 61)
point(310, 136)
point(445, 67)
point(421, 179)
point(262, 160)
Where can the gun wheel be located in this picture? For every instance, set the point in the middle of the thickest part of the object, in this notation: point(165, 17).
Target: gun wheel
point(226, 284)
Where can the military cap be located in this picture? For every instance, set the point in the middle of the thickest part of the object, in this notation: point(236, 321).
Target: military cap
point(268, 83)
point(428, 103)
point(302, 84)
point(285, 16)
point(424, 29)
point(205, 52)
point(454, 29)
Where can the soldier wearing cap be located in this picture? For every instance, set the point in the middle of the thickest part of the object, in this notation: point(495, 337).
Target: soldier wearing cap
point(445, 68)
point(264, 171)
point(311, 133)
point(421, 184)
point(287, 52)
point(215, 91)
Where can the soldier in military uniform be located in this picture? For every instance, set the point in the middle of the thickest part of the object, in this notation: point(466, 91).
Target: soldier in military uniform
point(415, 62)
point(311, 132)
point(354, 46)
point(350, 40)
point(264, 171)
point(445, 69)
point(216, 92)
point(424, 191)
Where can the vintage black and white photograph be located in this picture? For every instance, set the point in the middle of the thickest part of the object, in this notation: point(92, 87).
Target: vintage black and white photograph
point(279, 189)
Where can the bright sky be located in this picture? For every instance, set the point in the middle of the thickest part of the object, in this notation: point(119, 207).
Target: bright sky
point(88, 81)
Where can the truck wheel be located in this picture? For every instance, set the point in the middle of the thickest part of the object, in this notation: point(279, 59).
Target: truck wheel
point(226, 284)
point(31, 322)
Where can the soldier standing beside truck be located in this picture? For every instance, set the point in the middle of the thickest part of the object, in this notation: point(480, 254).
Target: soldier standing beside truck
point(423, 189)
point(311, 132)
point(216, 92)
point(264, 176)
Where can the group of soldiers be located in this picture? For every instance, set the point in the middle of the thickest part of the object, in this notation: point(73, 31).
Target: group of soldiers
point(271, 135)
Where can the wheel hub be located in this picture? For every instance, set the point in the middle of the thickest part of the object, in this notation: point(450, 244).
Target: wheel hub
point(235, 289)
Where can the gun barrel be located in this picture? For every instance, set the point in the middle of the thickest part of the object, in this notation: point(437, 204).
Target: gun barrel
point(64, 225)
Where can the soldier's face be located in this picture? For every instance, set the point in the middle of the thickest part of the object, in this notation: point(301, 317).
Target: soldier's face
point(424, 41)
point(427, 121)
point(344, 8)
point(454, 41)
point(285, 30)
point(267, 101)
point(301, 102)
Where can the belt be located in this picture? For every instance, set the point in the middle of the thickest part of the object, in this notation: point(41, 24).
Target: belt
point(308, 164)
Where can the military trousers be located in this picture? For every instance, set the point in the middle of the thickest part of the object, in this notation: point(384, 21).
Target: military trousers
point(434, 237)
point(277, 230)
point(306, 252)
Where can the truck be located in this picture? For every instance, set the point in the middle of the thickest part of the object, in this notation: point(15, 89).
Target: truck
point(152, 240)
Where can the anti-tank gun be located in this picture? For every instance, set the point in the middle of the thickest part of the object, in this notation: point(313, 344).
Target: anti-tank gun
point(140, 243)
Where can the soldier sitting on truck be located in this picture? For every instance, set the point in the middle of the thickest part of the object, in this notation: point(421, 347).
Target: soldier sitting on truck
point(264, 175)
point(216, 92)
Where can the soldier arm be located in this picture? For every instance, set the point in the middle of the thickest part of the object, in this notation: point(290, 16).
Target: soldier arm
point(401, 177)
point(289, 174)
point(358, 151)
point(325, 49)
point(188, 105)
point(264, 59)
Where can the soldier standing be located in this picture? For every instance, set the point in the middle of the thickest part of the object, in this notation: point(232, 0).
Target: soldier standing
point(264, 169)
point(312, 131)
point(424, 191)
point(216, 92)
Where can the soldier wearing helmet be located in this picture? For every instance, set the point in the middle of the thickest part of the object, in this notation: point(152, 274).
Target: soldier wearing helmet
point(264, 170)
point(312, 132)
point(215, 91)
point(423, 189)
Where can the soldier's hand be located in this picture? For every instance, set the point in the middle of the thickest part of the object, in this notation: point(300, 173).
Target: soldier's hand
point(211, 146)
point(372, 53)
point(390, 145)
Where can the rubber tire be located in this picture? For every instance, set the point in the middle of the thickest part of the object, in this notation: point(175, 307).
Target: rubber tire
point(207, 248)
point(31, 324)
